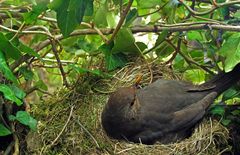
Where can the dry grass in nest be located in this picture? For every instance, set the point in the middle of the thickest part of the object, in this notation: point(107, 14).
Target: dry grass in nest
point(69, 122)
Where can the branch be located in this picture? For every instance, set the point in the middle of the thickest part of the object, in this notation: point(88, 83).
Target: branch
point(209, 11)
point(55, 52)
point(187, 59)
point(137, 29)
point(123, 16)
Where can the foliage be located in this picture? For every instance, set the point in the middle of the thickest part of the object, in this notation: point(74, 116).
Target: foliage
point(68, 38)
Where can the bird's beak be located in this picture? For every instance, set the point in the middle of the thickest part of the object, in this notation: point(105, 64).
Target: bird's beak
point(138, 80)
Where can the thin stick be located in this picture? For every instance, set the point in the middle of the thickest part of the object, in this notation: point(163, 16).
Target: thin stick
point(124, 14)
point(61, 132)
point(55, 51)
point(95, 141)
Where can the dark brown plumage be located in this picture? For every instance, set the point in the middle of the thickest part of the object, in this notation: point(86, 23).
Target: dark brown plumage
point(164, 111)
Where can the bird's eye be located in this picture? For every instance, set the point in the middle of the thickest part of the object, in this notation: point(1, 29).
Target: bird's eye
point(132, 103)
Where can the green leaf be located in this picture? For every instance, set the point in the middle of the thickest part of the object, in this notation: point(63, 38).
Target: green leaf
point(111, 19)
point(218, 110)
point(112, 61)
point(236, 112)
point(8, 48)
point(231, 51)
point(6, 70)
point(142, 46)
point(230, 93)
point(194, 35)
point(21, 47)
point(161, 38)
point(41, 85)
point(69, 14)
point(32, 16)
point(146, 4)
point(164, 50)
point(27, 74)
point(124, 42)
point(28, 50)
point(25, 118)
point(132, 15)
point(100, 17)
point(226, 122)
point(178, 64)
point(89, 9)
point(4, 131)
point(197, 76)
point(237, 14)
point(19, 93)
point(9, 94)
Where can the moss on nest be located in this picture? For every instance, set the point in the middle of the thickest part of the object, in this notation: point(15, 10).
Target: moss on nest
point(69, 121)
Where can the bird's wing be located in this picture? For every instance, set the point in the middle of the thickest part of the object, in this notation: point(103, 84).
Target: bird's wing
point(188, 116)
point(198, 88)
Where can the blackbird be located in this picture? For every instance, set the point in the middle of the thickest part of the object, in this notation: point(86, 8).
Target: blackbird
point(164, 111)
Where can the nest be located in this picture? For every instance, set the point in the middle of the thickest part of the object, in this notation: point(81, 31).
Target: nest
point(69, 121)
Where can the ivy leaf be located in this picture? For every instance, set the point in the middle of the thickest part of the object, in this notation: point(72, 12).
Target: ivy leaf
point(197, 76)
point(124, 42)
point(4, 131)
point(8, 48)
point(226, 122)
point(6, 70)
point(9, 94)
point(21, 47)
point(28, 50)
point(237, 14)
point(231, 51)
point(230, 93)
point(217, 110)
point(25, 118)
point(41, 85)
point(89, 9)
point(69, 14)
point(19, 93)
point(132, 15)
point(194, 35)
point(112, 60)
point(27, 74)
point(32, 16)
point(143, 4)
point(100, 17)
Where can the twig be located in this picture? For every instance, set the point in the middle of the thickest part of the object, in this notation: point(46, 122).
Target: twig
point(210, 138)
point(149, 67)
point(106, 31)
point(30, 90)
point(20, 29)
point(16, 140)
point(64, 127)
point(123, 16)
point(24, 32)
point(209, 11)
point(175, 53)
point(61, 132)
point(9, 148)
point(55, 51)
point(95, 141)
point(104, 38)
point(155, 10)
point(188, 60)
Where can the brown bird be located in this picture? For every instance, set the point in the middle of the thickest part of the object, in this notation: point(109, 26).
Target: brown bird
point(164, 111)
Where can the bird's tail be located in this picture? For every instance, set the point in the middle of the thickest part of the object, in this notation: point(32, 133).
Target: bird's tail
point(223, 81)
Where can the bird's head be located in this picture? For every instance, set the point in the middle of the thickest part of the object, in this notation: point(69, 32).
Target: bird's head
point(120, 110)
